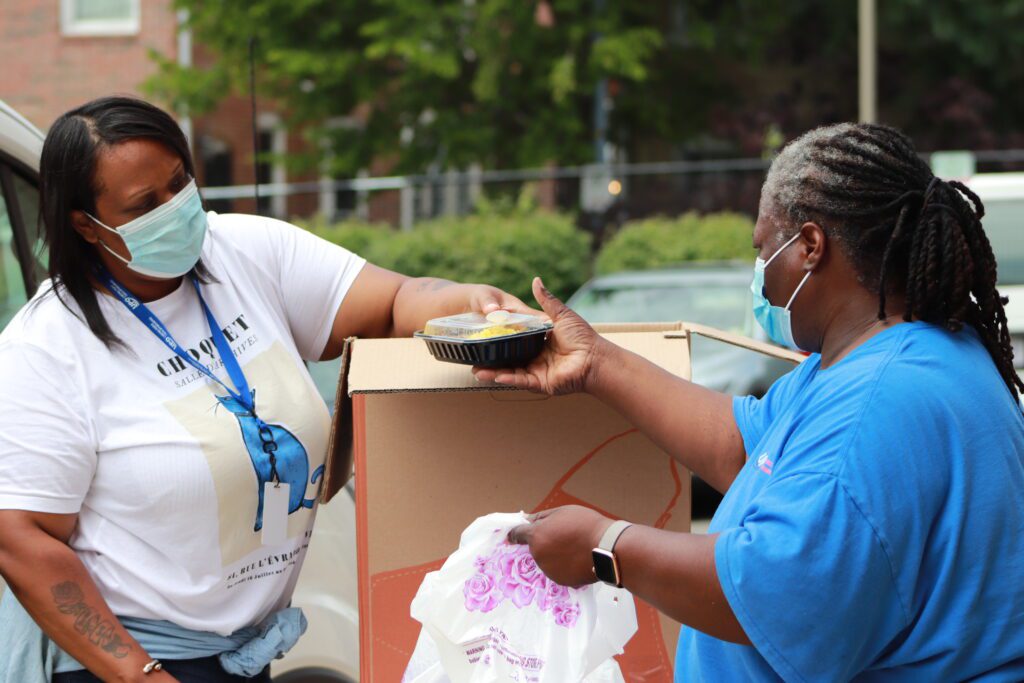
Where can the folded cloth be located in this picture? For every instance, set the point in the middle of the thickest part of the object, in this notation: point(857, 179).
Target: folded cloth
point(31, 657)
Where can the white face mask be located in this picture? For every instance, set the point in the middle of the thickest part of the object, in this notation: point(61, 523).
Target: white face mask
point(167, 241)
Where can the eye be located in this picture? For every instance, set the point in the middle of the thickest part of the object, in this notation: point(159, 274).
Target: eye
point(147, 203)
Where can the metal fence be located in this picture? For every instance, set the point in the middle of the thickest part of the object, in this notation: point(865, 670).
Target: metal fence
point(605, 194)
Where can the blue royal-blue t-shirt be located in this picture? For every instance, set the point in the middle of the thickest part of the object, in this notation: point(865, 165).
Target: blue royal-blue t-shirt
point(876, 532)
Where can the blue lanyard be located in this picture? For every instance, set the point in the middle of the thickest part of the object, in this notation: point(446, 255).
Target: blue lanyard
point(243, 395)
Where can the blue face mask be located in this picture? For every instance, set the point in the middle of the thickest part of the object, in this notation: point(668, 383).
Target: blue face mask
point(776, 320)
point(167, 241)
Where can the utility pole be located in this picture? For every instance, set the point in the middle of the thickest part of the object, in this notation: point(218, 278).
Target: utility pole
point(867, 61)
point(600, 111)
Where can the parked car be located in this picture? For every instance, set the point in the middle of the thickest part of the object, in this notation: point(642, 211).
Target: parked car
point(21, 263)
point(715, 294)
point(1003, 197)
point(20, 146)
point(327, 587)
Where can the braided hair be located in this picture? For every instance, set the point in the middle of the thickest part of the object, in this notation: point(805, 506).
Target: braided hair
point(905, 230)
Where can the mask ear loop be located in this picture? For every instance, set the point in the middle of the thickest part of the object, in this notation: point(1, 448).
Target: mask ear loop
point(802, 282)
point(103, 244)
point(798, 288)
point(782, 248)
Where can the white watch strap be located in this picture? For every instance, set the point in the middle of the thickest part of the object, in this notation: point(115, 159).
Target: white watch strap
point(611, 536)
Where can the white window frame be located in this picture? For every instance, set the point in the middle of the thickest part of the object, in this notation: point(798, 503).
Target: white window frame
point(69, 26)
point(270, 122)
point(328, 198)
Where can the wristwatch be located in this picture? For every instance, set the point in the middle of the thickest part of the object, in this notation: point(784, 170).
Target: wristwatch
point(606, 565)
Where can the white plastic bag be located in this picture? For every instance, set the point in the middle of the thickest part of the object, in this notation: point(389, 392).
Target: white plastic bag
point(491, 615)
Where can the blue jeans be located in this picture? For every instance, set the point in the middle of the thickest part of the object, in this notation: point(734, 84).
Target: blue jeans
point(204, 670)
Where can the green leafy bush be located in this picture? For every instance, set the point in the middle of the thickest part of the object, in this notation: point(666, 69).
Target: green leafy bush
point(356, 236)
point(502, 248)
point(658, 242)
point(508, 242)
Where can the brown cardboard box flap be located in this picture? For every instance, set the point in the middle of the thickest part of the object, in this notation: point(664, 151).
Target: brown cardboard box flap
point(338, 465)
point(744, 342)
point(405, 365)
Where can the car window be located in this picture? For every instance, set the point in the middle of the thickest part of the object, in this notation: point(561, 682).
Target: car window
point(12, 286)
point(28, 206)
point(1004, 225)
point(721, 306)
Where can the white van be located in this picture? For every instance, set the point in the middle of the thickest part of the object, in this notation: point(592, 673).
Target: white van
point(20, 268)
point(327, 588)
point(1003, 197)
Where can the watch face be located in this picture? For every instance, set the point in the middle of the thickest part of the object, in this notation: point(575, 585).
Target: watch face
point(604, 567)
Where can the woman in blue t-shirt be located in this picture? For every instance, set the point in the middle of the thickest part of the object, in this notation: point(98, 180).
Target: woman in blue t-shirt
point(873, 520)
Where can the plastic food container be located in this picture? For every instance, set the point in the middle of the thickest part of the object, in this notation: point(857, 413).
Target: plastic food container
point(498, 340)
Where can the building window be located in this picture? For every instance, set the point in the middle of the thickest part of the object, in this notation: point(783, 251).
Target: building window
point(215, 157)
point(264, 170)
point(336, 203)
point(99, 17)
point(273, 145)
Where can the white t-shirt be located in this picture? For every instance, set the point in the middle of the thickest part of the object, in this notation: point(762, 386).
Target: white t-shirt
point(163, 474)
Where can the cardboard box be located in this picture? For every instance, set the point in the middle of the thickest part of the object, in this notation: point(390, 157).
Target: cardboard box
point(432, 450)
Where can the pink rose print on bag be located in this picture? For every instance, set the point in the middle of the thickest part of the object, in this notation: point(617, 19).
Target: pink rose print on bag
point(511, 573)
point(565, 613)
point(552, 594)
point(521, 578)
point(482, 593)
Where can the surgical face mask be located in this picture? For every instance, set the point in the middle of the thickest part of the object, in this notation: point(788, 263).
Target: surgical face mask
point(167, 241)
point(776, 320)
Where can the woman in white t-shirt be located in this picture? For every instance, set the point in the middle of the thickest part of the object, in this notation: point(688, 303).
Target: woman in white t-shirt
point(148, 510)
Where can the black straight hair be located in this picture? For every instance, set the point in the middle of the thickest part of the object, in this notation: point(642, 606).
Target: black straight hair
point(67, 171)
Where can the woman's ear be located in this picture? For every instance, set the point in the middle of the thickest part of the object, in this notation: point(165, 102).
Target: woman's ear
point(84, 226)
point(814, 243)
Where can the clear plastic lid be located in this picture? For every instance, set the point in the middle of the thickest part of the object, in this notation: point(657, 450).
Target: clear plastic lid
point(471, 326)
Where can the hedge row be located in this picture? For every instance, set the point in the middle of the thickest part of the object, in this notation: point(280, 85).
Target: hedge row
point(659, 242)
point(507, 248)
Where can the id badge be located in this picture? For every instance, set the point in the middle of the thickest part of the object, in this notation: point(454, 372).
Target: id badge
point(275, 513)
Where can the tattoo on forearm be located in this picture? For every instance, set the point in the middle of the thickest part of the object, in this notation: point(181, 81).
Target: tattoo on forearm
point(71, 601)
point(433, 284)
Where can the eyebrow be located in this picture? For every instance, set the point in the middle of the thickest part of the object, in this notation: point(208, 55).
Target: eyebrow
point(177, 171)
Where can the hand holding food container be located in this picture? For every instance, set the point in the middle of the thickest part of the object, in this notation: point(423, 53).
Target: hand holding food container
point(565, 364)
point(497, 340)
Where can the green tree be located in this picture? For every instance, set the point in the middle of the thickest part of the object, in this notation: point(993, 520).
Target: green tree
point(450, 82)
point(505, 84)
point(947, 71)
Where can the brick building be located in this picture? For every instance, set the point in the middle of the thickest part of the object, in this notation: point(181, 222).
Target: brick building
point(57, 54)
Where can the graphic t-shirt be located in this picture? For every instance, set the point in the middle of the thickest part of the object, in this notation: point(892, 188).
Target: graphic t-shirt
point(876, 532)
point(162, 467)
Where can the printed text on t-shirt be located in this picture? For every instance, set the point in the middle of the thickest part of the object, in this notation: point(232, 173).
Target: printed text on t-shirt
point(206, 351)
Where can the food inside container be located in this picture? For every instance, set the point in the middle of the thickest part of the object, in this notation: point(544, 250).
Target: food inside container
point(479, 326)
point(499, 339)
